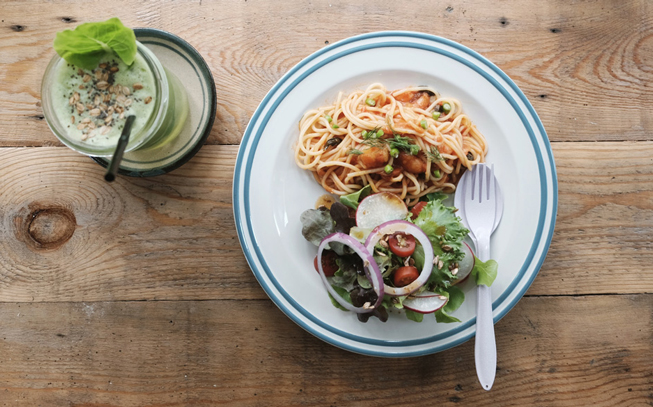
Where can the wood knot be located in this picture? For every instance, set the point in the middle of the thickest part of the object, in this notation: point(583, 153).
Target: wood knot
point(17, 28)
point(50, 228)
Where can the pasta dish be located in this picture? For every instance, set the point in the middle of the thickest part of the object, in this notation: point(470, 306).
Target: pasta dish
point(409, 142)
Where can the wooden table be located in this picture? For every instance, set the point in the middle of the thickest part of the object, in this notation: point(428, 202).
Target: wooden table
point(137, 293)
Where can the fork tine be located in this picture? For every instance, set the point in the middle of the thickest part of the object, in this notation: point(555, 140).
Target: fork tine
point(481, 175)
point(473, 182)
point(491, 192)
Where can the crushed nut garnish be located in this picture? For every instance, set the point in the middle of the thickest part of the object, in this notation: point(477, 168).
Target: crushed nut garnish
point(454, 271)
point(95, 112)
point(128, 102)
point(446, 248)
point(440, 264)
point(80, 71)
point(72, 119)
point(97, 100)
point(103, 65)
point(126, 91)
point(114, 69)
point(137, 86)
point(102, 85)
point(86, 78)
point(148, 99)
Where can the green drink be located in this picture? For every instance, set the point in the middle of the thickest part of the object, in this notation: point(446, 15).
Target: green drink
point(86, 108)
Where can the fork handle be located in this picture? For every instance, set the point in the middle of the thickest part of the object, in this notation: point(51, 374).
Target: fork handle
point(485, 348)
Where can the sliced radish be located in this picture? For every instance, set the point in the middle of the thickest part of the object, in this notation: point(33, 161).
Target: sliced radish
point(371, 271)
point(391, 227)
point(378, 208)
point(425, 303)
point(466, 265)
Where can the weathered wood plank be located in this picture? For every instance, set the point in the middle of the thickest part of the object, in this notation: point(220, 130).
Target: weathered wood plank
point(585, 66)
point(173, 237)
point(248, 353)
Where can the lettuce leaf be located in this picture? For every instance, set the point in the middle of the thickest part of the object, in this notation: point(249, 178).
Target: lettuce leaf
point(354, 198)
point(344, 294)
point(445, 231)
point(456, 297)
point(316, 225)
point(485, 272)
point(414, 316)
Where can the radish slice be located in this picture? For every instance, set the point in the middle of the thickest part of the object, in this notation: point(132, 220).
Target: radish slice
point(425, 303)
point(371, 271)
point(466, 265)
point(391, 227)
point(378, 208)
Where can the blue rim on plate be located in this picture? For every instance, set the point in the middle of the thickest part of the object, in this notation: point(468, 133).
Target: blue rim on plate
point(196, 67)
point(244, 164)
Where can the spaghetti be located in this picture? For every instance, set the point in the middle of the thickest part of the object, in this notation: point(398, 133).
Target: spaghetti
point(410, 142)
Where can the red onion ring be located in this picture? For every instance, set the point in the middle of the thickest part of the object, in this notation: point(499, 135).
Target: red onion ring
point(371, 271)
point(391, 227)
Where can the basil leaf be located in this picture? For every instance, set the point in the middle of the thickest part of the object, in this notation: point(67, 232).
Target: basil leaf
point(485, 272)
point(354, 198)
point(85, 46)
point(414, 316)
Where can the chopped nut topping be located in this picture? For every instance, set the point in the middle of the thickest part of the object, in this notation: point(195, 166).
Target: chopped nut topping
point(86, 78)
point(126, 91)
point(72, 119)
point(97, 100)
point(105, 129)
point(440, 264)
point(114, 69)
point(103, 65)
point(446, 248)
point(137, 86)
point(117, 89)
point(91, 125)
point(102, 85)
point(80, 71)
point(84, 137)
point(148, 99)
point(98, 74)
point(76, 97)
point(82, 87)
point(86, 120)
point(81, 126)
point(128, 102)
point(454, 271)
point(121, 98)
point(108, 119)
point(71, 101)
point(105, 76)
point(80, 107)
point(95, 112)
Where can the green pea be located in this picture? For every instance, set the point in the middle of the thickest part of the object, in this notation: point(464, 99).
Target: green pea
point(446, 108)
point(414, 149)
point(335, 126)
point(436, 115)
point(379, 134)
point(370, 102)
point(388, 169)
point(394, 152)
point(424, 124)
point(328, 118)
point(365, 134)
point(437, 174)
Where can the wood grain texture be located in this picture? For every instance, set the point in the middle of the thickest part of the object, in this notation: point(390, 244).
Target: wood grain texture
point(247, 353)
point(173, 237)
point(587, 66)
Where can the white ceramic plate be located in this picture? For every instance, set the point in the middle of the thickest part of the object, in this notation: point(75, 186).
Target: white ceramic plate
point(270, 191)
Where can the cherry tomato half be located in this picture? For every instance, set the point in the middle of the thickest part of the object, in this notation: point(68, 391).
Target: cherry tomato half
point(415, 210)
point(401, 244)
point(405, 275)
point(329, 264)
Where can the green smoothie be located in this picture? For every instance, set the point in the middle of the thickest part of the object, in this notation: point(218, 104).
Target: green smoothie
point(92, 105)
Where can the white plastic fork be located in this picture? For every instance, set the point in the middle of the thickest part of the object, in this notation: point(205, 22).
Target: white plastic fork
point(480, 199)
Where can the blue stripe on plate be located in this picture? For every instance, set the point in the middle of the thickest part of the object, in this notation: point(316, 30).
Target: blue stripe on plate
point(254, 143)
